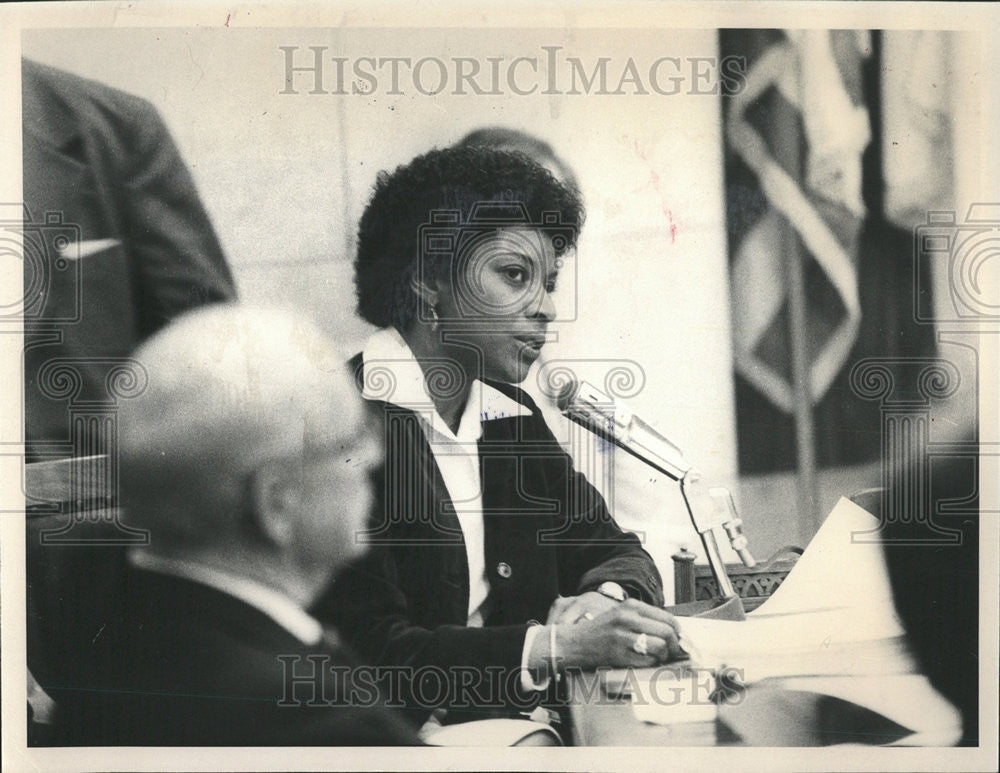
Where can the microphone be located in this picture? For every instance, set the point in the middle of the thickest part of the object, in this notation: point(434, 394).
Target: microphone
point(595, 411)
point(709, 509)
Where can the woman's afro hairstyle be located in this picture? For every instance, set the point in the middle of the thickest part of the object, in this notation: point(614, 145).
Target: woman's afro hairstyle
point(457, 182)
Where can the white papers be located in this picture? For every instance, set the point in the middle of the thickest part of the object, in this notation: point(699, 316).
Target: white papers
point(842, 567)
point(831, 628)
point(832, 615)
point(669, 695)
point(811, 643)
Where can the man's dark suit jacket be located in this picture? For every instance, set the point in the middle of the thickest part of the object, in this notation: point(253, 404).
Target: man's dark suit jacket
point(547, 533)
point(184, 664)
point(100, 167)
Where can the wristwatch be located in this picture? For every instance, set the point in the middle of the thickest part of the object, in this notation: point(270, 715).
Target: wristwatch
point(612, 590)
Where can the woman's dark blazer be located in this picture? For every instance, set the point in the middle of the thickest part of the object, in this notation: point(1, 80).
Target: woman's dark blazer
point(547, 533)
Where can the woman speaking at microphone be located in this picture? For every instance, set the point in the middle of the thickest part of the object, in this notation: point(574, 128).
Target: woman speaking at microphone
point(494, 566)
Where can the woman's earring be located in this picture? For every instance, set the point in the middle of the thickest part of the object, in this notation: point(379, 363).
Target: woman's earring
point(434, 316)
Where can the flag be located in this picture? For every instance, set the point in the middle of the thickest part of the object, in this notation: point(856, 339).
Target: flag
point(805, 178)
point(798, 130)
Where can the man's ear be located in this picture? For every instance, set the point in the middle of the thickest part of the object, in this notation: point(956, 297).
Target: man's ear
point(275, 493)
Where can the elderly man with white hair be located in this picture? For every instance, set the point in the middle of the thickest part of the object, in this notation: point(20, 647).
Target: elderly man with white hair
point(247, 460)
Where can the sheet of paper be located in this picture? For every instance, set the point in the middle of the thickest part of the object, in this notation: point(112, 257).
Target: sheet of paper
point(833, 613)
point(843, 565)
point(667, 697)
point(831, 628)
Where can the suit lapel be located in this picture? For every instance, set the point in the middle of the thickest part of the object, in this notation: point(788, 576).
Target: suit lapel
point(516, 511)
point(415, 517)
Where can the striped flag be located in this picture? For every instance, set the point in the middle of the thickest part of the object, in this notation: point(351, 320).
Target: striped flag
point(795, 136)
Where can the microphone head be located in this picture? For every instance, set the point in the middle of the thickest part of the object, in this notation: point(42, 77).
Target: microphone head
point(566, 394)
point(591, 408)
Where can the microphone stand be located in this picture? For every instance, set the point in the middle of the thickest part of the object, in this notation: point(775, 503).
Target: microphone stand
point(712, 510)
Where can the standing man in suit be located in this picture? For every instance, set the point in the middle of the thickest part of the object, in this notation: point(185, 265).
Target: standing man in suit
point(117, 242)
point(247, 461)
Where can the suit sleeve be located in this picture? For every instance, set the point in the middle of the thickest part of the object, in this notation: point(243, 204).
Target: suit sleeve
point(175, 254)
point(594, 548)
point(370, 611)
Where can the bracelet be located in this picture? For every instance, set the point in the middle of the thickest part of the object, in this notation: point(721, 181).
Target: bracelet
point(556, 676)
